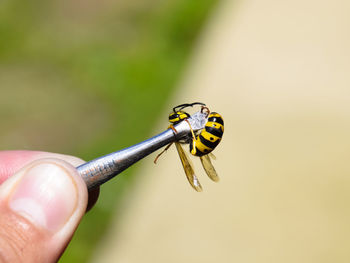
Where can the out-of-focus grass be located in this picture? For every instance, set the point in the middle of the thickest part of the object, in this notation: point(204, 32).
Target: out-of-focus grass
point(90, 77)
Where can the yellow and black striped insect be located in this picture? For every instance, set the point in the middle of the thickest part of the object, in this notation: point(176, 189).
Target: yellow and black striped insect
point(201, 144)
point(206, 141)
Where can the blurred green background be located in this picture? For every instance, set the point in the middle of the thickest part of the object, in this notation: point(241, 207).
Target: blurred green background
point(87, 78)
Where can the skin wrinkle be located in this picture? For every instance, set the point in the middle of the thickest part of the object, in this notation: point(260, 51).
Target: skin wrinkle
point(12, 161)
point(2, 258)
point(12, 238)
point(6, 172)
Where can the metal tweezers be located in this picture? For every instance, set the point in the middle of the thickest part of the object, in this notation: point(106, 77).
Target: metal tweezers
point(102, 169)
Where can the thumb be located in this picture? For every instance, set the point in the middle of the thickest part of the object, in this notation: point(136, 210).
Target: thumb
point(40, 208)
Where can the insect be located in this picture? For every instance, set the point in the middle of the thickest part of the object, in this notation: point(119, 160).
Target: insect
point(201, 144)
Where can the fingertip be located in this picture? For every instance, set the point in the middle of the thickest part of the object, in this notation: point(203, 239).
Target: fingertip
point(51, 197)
point(49, 191)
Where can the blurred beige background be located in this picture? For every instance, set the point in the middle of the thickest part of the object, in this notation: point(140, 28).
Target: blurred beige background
point(278, 71)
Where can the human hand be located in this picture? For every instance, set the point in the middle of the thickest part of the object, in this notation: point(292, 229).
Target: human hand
point(42, 200)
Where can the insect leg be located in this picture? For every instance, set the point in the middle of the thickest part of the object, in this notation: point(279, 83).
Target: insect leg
point(168, 146)
point(165, 149)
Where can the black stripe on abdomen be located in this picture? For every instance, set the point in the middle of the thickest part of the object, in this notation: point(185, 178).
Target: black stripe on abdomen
point(207, 143)
point(217, 132)
point(199, 153)
point(216, 119)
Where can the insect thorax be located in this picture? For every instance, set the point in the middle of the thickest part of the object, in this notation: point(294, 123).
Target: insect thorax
point(178, 116)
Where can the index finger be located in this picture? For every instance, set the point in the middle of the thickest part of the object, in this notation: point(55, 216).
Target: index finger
point(13, 161)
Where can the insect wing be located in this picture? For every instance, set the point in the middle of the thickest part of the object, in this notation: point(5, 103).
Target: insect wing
point(212, 156)
point(209, 168)
point(188, 167)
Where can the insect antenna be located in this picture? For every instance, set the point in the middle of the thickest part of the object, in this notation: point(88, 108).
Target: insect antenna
point(182, 106)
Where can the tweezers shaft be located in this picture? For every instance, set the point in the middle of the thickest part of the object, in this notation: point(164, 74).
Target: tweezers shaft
point(102, 169)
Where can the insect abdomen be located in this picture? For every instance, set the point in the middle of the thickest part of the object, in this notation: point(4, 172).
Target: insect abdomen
point(209, 137)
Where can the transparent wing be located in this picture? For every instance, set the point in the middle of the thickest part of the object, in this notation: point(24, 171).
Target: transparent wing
point(209, 168)
point(212, 156)
point(188, 167)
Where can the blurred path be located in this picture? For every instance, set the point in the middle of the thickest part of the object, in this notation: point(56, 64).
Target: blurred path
point(278, 71)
